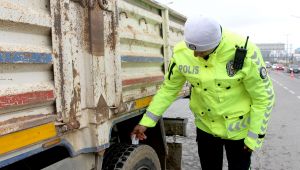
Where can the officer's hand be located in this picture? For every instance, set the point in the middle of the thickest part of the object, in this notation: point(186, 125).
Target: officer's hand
point(247, 148)
point(139, 132)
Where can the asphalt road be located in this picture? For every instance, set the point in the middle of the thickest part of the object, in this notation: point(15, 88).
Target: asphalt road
point(281, 149)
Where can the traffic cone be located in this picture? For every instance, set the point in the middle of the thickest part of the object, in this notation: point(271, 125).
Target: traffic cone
point(292, 75)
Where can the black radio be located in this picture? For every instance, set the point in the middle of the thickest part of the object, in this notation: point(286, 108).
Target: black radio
point(240, 54)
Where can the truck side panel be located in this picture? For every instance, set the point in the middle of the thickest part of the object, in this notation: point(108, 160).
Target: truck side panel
point(27, 91)
point(70, 71)
point(141, 43)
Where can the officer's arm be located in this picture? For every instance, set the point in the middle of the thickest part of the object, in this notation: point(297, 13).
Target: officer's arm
point(260, 88)
point(168, 92)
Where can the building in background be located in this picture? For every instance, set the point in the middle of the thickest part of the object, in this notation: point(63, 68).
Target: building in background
point(275, 52)
point(296, 57)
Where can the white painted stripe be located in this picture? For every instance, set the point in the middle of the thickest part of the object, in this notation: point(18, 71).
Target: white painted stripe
point(279, 84)
point(285, 88)
point(292, 92)
point(298, 97)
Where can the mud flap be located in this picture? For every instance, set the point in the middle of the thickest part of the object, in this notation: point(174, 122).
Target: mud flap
point(174, 156)
point(175, 127)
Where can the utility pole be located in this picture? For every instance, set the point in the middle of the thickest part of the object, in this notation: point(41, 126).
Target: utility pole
point(287, 48)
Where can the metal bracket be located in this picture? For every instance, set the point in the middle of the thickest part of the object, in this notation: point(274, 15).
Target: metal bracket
point(103, 4)
point(82, 3)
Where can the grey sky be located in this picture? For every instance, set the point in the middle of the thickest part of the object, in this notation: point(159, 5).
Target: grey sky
point(265, 21)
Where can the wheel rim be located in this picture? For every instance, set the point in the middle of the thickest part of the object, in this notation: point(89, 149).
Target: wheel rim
point(144, 168)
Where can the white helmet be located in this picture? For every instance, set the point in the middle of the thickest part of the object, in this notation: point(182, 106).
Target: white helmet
point(202, 33)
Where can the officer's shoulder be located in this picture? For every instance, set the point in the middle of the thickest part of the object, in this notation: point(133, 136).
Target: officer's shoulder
point(180, 46)
point(239, 40)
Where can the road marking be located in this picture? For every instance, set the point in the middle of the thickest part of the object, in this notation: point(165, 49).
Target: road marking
point(279, 84)
point(285, 88)
point(292, 92)
point(298, 97)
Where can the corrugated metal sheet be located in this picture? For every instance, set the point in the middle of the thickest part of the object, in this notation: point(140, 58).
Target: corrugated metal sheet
point(27, 92)
point(148, 33)
point(142, 46)
point(176, 28)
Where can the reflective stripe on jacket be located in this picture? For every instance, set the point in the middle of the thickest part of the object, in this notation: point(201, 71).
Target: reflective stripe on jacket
point(228, 104)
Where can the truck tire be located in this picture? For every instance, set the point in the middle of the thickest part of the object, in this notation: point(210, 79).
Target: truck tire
point(130, 157)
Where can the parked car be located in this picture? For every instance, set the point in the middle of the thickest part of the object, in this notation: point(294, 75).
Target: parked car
point(268, 65)
point(293, 68)
point(279, 67)
point(274, 66)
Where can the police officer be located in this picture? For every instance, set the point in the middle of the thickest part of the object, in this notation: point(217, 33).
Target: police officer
point(231, 105)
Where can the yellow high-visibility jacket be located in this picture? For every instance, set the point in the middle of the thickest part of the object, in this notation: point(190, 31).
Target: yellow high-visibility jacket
point(226, 103)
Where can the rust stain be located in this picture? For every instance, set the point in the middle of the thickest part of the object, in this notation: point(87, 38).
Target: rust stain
point(58, 55)
point(26, 98)
point(74, 105)
point(152, 35)
point(111, 39)
point(143, 89)
point(66, 5)
point(86, 32)
point(75, 72)
point(19, 119)
point(131, 29)
point(24, 122)
point(102, 110)
point(142, 80)
point(73, 122)
point(96, 28)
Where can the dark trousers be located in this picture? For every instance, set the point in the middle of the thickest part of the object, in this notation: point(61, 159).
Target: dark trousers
point(210, 150)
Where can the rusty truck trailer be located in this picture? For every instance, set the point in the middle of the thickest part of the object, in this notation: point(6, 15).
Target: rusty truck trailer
point(76, 76)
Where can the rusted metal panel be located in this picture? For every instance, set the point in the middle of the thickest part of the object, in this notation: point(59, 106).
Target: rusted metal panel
point(27, 92)
point(142, 80)
point(34, 13)
point(24, 122)
point(69, 49)
point(176, 22)
point(18, 100)
point(136, 92)
point(107, 80)
point(96, 30)
point(21, 37)
point(141, 45)
point(139, 12)
point(88, 83)
point(25, 57)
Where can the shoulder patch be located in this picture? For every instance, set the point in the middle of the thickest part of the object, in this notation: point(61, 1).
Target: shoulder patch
point(263, 72)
